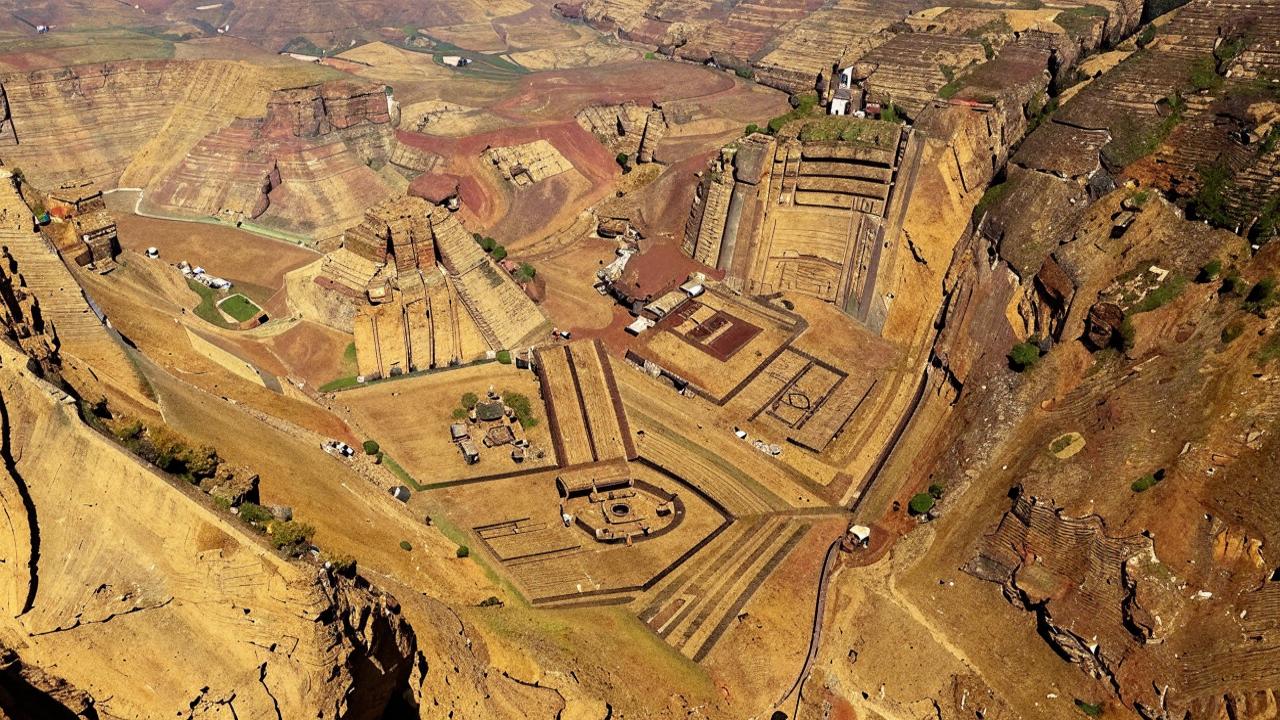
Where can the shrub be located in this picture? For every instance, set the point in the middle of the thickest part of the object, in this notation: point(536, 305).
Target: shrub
point(1061, 444)
point(487, 243)
point(935, 491)
point(499, 253)
point(129, 431)
point(623, 160)
point(522, 407)
point(371, 447)
point(342, 563)
point(650, 55)
point(1146, 36)
point(1024, 356)
point(491, 601)
point(253, 513)
point(463, 551)
point(753, 129)
point(198, 462)
point(469, 400)
point(406, 545)
point(1262, 292)
point(745, 73)
point(1209, 271)
point(1144, 483)
point(504, 357)
point(891, 114)
point(1128, 334)
point(1233, 284)
point(920, 503)
point(990, 197)
point(291, 537)
point(1090, 709)
point(1269, 351)
point(1232, 331)
point(526, 272)
point(459, 414)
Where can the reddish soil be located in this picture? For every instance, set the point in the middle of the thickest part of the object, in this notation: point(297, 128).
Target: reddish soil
point(562, 93)
point(487, 205)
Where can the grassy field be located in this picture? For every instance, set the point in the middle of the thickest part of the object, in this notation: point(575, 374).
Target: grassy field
point(207, 310)
point(239, 307)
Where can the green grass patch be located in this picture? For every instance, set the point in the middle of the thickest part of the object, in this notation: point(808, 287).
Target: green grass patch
point(805, 106)
point(1080, 20)
point(858, 131)
point(401, 473)
point(1269, 351)
point(1132, 139)
point(239, 307)
point(1161, 296)
point(342, 383)
point(207, 310)
point(992, 195)
point(1204, 74)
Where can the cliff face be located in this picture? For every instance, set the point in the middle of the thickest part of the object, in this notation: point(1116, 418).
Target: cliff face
point(305, 165)
point(149, 601)
point(204, 138)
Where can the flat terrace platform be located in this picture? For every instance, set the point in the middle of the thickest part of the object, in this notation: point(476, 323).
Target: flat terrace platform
point(517, 520)
point(717, 343)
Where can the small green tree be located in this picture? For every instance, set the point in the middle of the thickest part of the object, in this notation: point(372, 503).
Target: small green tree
point(1128, 335)
point(504, 357)
point(469, 400)
point(623, 161)
point(499, 253)
point(1262, 293)
point(753, 129)
point(459, 414)
point(920, 503)
point(1233, 284)
point(463, 551)
point(291, 538)
point(1143, 483)
point(253, 513)
point(1209, 271)
point(1091, 709)
point(1024, 356)
point(371, 447)
point(526, 272)
point(936, 490)
point(488, 244)
point(406, 545)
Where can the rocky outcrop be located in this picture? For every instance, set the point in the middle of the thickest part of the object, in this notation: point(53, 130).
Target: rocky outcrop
point(1102, 325)
point(30, 693)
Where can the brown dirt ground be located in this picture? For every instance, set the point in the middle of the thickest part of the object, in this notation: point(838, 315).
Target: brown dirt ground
point(236, 255)
point(411, 418)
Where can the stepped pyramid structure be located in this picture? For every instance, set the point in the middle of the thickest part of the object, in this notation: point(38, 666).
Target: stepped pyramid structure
point(424, 292)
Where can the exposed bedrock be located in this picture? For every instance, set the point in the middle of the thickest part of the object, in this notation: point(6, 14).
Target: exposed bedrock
point(147, 599)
